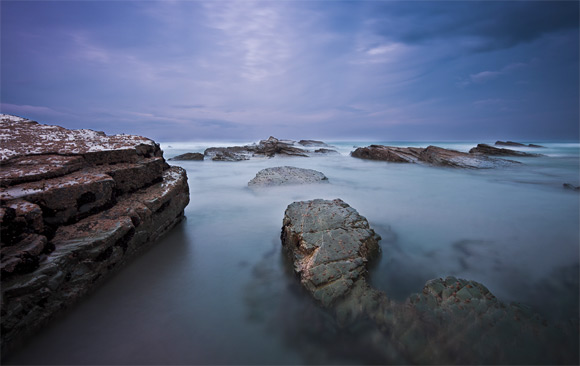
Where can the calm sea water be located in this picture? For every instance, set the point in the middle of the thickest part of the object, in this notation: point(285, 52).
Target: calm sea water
point(217, 290)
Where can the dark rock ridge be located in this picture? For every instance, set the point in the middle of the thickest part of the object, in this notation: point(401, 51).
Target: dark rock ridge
point(188, 156)
point(286, 175)
point(265, 148)
point(515, 144)
point(484, 149)
point(431, 155)
point(452, 321)
point(571, 187)
point(75, 205)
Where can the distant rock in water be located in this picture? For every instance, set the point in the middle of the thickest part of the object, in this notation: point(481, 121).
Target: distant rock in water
point(75, 205)
point(484, 149)
point(188, 156)
point(571, 187)
point(388, 153)
point(431, 155)
point(451, 321)
point(326, 151)
point(286, 175)
point(313, 143)
point(265, 148)
point(515, 144)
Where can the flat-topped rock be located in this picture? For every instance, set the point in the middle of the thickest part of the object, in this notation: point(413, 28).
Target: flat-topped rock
point(484, 149)
point(23, 137)
point(286, 175)
point(75, 205)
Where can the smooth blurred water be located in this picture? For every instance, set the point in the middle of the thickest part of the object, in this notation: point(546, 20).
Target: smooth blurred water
point(217, 289)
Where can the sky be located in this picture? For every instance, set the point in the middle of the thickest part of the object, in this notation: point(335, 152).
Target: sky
point(334, 70)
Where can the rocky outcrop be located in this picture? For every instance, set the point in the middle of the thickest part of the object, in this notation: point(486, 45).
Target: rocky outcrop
point(286, 175)
point(265, 148)
point(75, 205)
point(431, 155)
point(452, 321)
point(484, 149)
point(388, 153)
point(515, 144)
point(329, 244)
point(314, 143)
point(188, 156)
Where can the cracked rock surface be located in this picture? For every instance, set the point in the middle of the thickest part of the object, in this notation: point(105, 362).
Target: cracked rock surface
point(75, 205)
point(452, 321)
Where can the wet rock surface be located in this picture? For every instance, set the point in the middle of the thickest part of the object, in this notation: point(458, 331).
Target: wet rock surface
point(75, 205)
point(265, 148)
point(490, 150)
point(571, 187)
point(431, 155)
point(188, 156)
point(451, 321)
point(286, 175)
point(329, 244)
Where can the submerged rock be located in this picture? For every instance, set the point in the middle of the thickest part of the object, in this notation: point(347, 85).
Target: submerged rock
point(452, 321)
point(188, 156)
point(515, 144)
point(75, 205)
point(431, 155)
point(286, 175)
point(484, 149)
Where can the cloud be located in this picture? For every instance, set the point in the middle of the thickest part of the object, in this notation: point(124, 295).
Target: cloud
point(474, 26)
point(485, 76)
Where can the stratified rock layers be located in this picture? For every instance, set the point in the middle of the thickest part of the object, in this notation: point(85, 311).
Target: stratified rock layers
point(75, 206)
point(452, 321)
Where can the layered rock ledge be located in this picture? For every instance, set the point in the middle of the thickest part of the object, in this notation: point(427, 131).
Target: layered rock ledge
point(286, 175)
point(452, 321)
point(267, 148)
point(75, 205)
point(515, 144)
point(484, 149)
point(431, 155)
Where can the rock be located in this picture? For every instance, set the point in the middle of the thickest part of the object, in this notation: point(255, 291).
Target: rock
point(326, 151)
point(516, 144)
point(286, 175)
point(234, 153)
point(388, 153)
point(329, 244)
point(571, 187)
point(484, 149)
point(188, 156)
point(315, 143)
point(75, 205)
point(272, 146)
point(431, 155)
point(264, 148)
point(450, 321)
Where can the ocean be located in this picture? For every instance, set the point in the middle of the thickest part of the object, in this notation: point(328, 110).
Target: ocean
point(218, 290)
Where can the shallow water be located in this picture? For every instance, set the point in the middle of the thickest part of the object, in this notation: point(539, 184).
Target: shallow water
point(217, 289)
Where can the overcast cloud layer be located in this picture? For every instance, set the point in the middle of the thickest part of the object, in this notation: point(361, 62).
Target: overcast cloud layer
point(193, 70)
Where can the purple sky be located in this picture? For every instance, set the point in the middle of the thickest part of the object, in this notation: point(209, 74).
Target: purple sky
point(379, 70)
